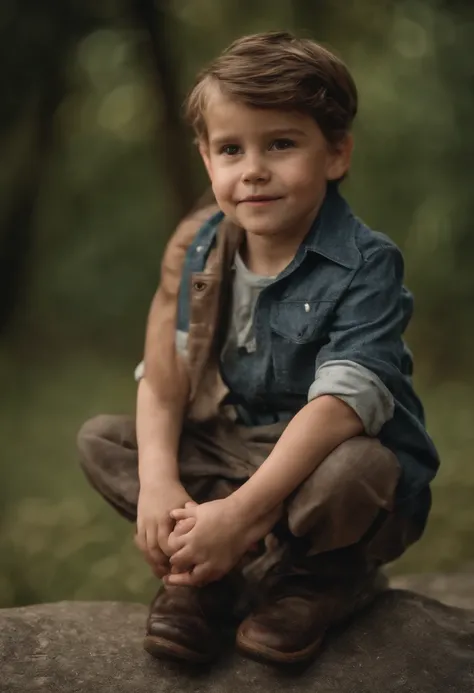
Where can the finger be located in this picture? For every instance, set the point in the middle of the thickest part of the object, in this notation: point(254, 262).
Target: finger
point(163, 541)
point(204, 573)
point(153, 557)
point(183, 560)
point(155, 553)
point(177, 542)
point(179, 579)
point(190, 504)
point(153, 549)
point(200, 575)
point(163, 531)
point(157, 563)
point(159, 569)
point(140, 542)
point(184, 526)
point(183, 513)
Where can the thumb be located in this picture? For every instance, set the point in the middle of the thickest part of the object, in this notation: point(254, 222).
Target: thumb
point(181, 514)
point(190, 504)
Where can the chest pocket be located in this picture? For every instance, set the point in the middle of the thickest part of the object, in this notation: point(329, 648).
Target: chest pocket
point(299, 329)
point(299, 321)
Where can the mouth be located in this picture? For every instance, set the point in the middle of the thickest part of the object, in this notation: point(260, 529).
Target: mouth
point(259, 199)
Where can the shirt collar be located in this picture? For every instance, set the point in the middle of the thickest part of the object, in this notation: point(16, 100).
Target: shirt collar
point(332, 233)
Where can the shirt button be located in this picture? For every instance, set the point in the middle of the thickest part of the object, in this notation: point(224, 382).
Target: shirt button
point(307, 307)
point(199, 248)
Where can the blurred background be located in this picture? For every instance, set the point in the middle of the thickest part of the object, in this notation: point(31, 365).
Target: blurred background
point(96, 167)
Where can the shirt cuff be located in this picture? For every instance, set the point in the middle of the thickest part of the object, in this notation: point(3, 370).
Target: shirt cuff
point(139, 371)
point(358, 387)
point(182, 343)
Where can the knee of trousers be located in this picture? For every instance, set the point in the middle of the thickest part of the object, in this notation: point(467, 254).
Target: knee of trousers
point(96, 438)
point(346, 492)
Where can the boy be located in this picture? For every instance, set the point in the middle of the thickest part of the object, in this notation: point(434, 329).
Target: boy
point(276, 398)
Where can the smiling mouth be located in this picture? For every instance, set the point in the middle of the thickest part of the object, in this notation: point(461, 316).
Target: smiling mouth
point(260, 199)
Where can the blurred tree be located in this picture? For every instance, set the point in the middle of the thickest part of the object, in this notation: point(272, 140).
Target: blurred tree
point(158, 21)
point(36, 41)
point(17, 229)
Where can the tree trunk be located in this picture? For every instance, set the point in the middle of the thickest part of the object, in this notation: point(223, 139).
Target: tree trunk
point(156, 19)
point(17, 233)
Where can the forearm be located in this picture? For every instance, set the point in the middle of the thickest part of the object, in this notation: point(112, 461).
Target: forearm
point(163, 391)
point(159, 424)
point(311, 435)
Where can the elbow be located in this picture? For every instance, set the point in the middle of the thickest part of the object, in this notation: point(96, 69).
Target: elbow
point(350, 419)
point(337, 410)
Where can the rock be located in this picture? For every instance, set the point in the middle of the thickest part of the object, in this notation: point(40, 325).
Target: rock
point(455, 589)
point(403, 642)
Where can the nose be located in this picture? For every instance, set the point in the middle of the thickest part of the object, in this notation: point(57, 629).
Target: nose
point(255, 169)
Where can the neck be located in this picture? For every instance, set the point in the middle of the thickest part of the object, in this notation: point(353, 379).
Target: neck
point(269, 254)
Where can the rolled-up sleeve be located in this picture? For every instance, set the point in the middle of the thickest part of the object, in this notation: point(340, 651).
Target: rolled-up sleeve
point(359, 388)
point(361, 362)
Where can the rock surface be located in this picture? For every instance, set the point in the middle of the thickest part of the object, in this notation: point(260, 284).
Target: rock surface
point(404, 642)
point(455, 589)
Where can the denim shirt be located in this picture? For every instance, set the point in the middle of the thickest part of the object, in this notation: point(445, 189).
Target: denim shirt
point(341, 299)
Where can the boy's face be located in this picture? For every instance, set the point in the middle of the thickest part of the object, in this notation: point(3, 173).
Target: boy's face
point(269, 168)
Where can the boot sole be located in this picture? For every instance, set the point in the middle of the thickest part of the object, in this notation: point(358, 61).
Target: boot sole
point(160, 648)
point(267, 654)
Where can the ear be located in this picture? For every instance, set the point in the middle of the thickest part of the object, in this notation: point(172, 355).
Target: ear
point(339, 159)
point(203, 147)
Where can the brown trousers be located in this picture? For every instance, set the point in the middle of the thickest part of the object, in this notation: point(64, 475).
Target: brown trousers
point(348, 500)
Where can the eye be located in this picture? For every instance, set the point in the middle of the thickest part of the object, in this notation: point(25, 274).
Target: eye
point(229, 149)
point(282, 143)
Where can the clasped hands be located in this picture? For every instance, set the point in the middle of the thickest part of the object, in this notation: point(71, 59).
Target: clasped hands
point(208, 540)
point(190, 544)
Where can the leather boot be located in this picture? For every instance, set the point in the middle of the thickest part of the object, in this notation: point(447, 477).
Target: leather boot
point(301, 599)
point(186, 622)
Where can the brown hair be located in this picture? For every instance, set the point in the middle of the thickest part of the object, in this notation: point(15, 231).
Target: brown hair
point(278, 70)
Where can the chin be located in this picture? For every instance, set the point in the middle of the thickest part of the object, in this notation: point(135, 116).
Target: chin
point(261, 229)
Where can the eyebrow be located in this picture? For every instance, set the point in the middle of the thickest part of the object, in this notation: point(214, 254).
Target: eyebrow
point(279, 132)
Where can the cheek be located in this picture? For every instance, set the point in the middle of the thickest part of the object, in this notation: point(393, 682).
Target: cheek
point(223, 182)
point(304, 174)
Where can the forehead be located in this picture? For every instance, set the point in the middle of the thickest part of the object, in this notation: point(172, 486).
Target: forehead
point(224, 115)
